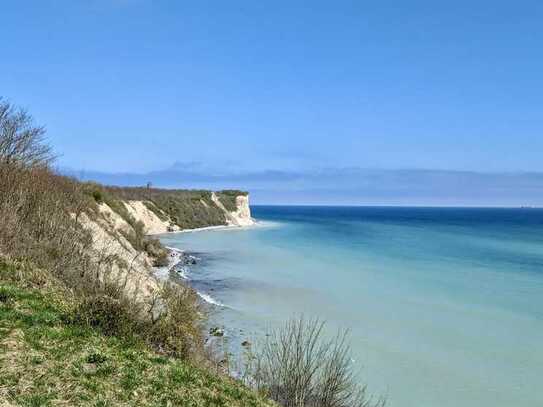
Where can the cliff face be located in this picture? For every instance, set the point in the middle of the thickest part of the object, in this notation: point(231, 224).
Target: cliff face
point(243, 213)
point(158, 220)
point(118, 228)
point(183, 209)
point(123, 261)
point(239, 217)
point(153, 224)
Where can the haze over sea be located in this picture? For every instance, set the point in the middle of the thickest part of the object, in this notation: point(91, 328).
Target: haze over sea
point(444, 305)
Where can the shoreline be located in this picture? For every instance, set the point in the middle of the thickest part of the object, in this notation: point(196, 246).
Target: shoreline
point(177, 256)
point(254, 223)
point(217, 227)
point(181, 260)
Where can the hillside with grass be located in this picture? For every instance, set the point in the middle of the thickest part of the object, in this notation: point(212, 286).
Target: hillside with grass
point(48, 357)
point(84, 322)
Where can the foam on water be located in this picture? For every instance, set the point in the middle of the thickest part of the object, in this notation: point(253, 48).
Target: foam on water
point(183, 272)
point(209, 299)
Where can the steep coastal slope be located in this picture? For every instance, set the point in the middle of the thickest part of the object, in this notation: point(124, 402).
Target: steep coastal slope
point(167, 210)
point(123, 218)
point(239, 213)
point(121, 222)
point(57, 348)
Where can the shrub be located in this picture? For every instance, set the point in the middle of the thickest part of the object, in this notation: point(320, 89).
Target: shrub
point(111, 315)
point(162, 260)
point(97, 195)
point(157, 251)
point(298, 367)
point(178, 330)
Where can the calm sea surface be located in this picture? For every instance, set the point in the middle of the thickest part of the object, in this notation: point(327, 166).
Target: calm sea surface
point(445, 305)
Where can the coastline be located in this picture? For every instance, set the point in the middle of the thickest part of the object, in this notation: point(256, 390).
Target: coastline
point(254, 223)
point(180, 257)
point(177, 258)
point(218, 227)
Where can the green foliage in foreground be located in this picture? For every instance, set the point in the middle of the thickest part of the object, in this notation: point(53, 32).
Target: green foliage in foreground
point(46, 360)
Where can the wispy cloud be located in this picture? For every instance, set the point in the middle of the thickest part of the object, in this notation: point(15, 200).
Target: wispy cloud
point(347, 185)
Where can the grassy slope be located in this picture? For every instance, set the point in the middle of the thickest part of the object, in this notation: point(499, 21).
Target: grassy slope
point(47, 361)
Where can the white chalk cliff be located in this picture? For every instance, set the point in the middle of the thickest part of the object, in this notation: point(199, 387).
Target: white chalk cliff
point(108, 231)
point(241, 216)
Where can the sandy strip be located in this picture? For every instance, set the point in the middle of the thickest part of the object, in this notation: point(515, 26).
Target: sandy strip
point(218, 227)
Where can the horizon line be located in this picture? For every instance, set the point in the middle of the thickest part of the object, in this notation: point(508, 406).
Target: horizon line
point(405, 206)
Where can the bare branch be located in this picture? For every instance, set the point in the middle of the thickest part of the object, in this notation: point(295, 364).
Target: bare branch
point(21, 142)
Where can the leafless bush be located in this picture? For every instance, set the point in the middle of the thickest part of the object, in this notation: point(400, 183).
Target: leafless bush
point(179, 329)
point(37, 209)
point(298, 367)
point(21, 143)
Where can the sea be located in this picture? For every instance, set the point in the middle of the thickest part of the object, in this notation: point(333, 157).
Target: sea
point(444, 306)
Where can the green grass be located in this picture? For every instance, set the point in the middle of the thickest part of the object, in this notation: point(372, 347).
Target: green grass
point(45, 360)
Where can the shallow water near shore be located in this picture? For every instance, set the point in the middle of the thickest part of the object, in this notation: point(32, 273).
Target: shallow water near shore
point(445, 305)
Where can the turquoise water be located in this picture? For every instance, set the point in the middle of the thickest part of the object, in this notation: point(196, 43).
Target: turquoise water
point(445, 305)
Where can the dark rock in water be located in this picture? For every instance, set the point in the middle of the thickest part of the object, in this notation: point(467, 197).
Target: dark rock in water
point(187, 260)
point(245, 344)
point(216, 332)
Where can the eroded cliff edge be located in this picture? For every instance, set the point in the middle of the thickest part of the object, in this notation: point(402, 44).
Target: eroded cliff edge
point(123, 218)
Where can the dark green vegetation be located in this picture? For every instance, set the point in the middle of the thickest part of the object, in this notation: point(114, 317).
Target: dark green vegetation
point(188, 209)
point(228, 198)
point(99, 194)
point(49, 358)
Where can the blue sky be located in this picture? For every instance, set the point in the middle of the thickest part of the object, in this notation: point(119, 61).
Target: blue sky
point(136, 86)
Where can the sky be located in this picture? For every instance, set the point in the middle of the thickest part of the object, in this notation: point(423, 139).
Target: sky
point(242, 88)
